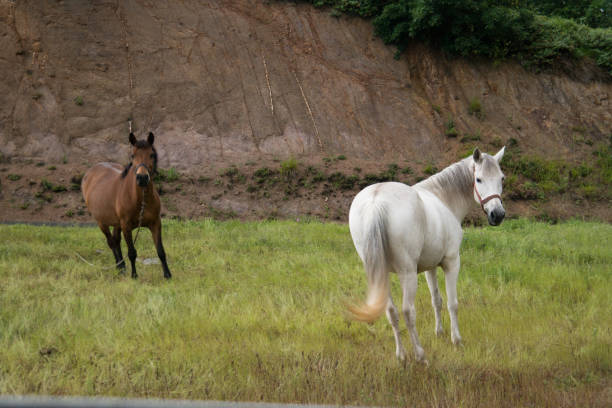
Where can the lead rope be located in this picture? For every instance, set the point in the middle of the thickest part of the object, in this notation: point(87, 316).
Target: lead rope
point(142, 207)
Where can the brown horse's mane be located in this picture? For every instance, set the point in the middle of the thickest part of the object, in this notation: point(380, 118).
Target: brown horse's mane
point(141, 144)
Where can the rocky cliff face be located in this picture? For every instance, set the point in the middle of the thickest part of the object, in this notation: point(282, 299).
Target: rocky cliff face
point(218, 80)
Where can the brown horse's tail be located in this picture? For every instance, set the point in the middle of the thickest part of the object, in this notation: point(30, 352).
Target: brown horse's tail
point(375, 255)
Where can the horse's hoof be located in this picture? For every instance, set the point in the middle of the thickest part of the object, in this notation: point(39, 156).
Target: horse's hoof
point(167, 275)
point(439, 332)
point(134, 276)
point(456, 340)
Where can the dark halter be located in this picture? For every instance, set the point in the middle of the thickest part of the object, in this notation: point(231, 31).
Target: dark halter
point(486, 199)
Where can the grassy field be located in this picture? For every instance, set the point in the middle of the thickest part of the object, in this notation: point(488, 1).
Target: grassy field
point(255, 312)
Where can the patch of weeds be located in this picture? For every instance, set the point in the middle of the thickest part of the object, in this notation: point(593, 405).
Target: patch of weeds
point(341, 181)
point(288, 167)
point(44, 197)
point(436, 109)
point(230, 172)
point(407, 170)
point(64, 160)
point(512, 142)
point(80, 212)
point(46, 185)
point(329, 160)
point(234, 175)
point(589, 191)
point(78, 100)
point(318, 177)
point(77, 178)
point(341, 157)
point(357, 169)
point(392, 170)
point(251, 188)
point(59, 188)
point(263, 174)
point(204, 180)
point(449, 128)
point(527, 191)
point(430, 169)
point(475, 108)
point(218, 182)
point(169, 175)
point(40, 164)
point(497, 142)
point(580, 171)
point(75, 187)
point(547, 218)
point(471, 137)
point(13, 177)
point(52, 168)
point(69, 213)
point(604, 163)
point(25, 205)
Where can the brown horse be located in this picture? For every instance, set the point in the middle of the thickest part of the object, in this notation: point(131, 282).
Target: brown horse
point(114, 195)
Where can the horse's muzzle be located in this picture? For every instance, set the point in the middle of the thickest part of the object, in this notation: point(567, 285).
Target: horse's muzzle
point(496, 216)
point(142, 180)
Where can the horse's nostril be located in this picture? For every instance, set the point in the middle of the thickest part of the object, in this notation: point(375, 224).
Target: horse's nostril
point(143, 179)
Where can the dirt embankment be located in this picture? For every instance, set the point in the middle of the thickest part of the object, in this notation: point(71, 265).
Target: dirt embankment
point(250, 84)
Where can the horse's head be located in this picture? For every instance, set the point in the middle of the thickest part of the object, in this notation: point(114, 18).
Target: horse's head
point(488, 184)
point(143, 159)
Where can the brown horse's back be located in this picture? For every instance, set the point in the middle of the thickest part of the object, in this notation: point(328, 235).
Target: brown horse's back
point(99, 186)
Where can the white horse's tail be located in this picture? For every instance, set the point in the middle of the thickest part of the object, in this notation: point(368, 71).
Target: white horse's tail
point(375, 261)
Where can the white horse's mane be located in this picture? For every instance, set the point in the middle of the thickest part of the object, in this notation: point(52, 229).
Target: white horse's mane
point(453, 183)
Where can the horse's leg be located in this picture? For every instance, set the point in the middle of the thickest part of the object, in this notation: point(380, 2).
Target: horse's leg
point(157, 238)
point(110, 240)
point(393, 317)
point(127, 234)
point(451, 272)
point(118, 255)
point(408, 280)
point(436, 299)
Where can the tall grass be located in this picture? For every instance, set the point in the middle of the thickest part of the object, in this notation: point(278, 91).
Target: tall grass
point(255, 311)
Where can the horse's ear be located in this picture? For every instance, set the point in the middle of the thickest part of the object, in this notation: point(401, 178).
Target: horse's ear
point(498, 156)
point(477, 156)
point(151, 138)
point(132, 139)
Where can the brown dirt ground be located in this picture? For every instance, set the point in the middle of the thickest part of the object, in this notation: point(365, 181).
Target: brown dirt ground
point(212, 193)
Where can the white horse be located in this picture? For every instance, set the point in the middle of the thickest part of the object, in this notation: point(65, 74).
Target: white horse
point(409, 230)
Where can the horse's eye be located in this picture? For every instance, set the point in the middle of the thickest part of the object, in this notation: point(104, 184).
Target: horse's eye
point(478, 180)
point(503, 180)
point(131, 156)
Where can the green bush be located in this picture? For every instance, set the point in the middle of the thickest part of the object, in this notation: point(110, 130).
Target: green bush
point(536, 32)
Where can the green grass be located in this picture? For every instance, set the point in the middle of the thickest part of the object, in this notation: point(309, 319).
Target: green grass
point(255, 311)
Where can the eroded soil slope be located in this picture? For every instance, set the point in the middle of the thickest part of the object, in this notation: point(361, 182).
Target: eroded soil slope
point(252, 83)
